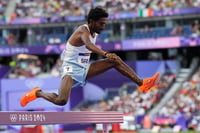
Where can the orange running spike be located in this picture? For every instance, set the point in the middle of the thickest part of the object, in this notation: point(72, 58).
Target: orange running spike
point(29, 96)
point(148, 83)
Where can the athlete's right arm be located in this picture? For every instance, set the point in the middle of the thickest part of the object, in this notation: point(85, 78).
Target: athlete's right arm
point(89, 45)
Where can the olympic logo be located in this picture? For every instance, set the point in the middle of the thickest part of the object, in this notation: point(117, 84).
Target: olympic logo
point(31, 83)
point(13, 117)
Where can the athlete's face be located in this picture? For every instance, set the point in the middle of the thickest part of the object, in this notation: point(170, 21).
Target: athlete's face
point(99, 25)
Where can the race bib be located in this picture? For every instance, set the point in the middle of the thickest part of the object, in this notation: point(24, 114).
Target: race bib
point(83, 58)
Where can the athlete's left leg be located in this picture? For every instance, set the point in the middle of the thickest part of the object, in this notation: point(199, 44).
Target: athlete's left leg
point(101, 66)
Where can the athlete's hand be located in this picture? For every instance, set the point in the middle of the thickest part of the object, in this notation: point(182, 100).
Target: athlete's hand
point(112, 56)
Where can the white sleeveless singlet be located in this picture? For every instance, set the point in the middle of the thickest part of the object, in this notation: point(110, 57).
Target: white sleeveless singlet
point(79, 55)
point(76, 62)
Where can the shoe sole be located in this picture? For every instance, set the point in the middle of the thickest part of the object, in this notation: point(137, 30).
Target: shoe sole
point(157, 79)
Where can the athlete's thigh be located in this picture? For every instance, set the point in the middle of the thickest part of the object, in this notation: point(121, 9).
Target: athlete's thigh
point(99, 67)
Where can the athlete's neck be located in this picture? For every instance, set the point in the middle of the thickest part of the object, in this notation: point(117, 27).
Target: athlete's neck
point(92, 32)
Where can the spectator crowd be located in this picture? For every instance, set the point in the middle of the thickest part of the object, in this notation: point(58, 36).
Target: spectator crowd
point(185, 102)
point(47, 8)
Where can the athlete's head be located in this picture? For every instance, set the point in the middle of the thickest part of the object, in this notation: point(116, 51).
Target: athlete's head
point(97, 18)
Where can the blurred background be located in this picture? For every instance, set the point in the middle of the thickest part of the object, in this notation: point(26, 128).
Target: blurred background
point(149, 35)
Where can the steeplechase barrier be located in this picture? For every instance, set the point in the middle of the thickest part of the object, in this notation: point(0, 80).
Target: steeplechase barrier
point(44, 118)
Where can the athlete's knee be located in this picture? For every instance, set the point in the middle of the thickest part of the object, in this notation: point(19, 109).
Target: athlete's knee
point(119, 60)
point(116, 61)
point(61, 101)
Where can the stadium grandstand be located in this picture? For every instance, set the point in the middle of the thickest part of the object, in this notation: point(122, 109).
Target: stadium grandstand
point(149, 35)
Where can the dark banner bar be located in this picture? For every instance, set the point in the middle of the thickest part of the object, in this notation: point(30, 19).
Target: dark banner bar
point(132, 44)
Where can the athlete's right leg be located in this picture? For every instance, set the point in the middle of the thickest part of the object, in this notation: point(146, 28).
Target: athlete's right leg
point(59, 99)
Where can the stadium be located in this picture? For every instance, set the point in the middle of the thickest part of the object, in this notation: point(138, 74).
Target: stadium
point(149, 35)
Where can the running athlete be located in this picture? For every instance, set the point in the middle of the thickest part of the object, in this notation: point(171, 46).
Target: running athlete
point(76, 69)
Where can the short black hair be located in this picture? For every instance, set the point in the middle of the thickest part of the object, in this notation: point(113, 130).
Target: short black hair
point(96, 13)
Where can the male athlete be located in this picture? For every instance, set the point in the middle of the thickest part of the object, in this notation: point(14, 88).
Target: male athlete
point(76, 68)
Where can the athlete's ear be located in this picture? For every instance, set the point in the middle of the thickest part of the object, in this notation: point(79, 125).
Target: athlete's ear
point(91, 21)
